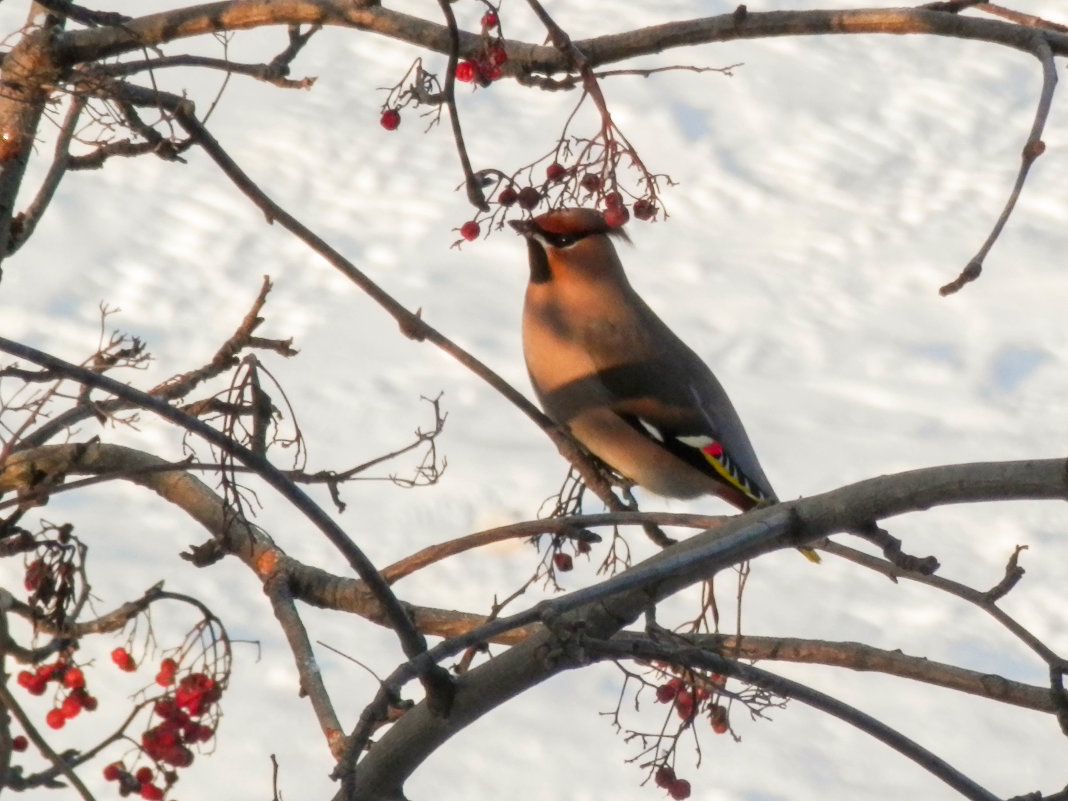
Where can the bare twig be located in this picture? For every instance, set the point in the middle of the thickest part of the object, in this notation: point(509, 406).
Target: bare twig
point(474, 188)
point(695, 658)
point(24, 225)
point(1032, 149)
point(983, 600)
point(572, 527)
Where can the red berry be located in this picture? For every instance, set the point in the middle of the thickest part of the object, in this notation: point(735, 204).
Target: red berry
point(644, 209)
point(166, 708)
point(37, 685)
point(390, 119)
point(489, 71)
point(177, 755)
point(73, 678)
point(151, 792)
point(664, 776)
point(613, 199)
point(70, 707)
point(496, 55)
point(466, 71)
point(529, 197)
point(507, 196)
point(113, 771)
point(616, 216)
point(55, 718)
point(489, 20)
point(562, 561)
point(168, 665)
point(470, 230)
point(684, 704)
point(718, 718)
point(19, 743)
point(25, 678)
point(667, 692)
point(89, 703)
point(120, 656)
point(679, 789)
point(591, 182)
point(143, 775)
point(555, 171)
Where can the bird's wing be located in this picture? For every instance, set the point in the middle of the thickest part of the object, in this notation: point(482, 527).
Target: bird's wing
point(690, 416)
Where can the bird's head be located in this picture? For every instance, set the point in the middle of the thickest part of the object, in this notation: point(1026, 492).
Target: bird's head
point(569, 241)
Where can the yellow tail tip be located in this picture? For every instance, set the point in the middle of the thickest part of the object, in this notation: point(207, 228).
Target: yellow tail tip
point(810, 555)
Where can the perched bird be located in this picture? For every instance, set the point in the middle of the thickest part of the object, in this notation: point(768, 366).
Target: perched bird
point(603, 364)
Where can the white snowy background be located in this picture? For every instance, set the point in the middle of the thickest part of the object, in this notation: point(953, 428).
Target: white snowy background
point(825, 192)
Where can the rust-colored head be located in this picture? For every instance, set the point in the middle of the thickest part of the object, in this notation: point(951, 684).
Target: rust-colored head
point(570, 239)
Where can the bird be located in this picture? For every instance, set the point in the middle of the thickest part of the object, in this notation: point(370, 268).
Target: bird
point(603, 364)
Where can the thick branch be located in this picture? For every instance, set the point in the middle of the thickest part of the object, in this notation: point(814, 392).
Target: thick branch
point(604, 609)
point(91, 44)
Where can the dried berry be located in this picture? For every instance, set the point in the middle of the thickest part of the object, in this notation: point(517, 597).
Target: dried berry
point(644, 210)
point(529, 197)
point(591, 182)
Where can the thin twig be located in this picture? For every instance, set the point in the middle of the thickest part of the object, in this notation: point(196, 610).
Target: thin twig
point(1032, 149)
point(695, 658)
point(980, 599)
point(25, 224)
point(474, 189)
point(572, 527)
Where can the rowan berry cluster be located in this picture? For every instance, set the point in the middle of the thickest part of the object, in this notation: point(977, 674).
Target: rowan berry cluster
point(179, 722)
point(677, 788)
point(71, 695)
point(688, 700)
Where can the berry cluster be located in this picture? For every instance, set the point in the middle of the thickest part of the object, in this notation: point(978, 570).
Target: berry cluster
point(71, 698)
point(50, 578)
point(563, 182)
point(140, 781)
point(481, 70)
point(486, 66)
point(178, 719)
point(677, 788)
point(689, 700)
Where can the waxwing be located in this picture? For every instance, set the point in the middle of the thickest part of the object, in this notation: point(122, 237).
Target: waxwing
point(603, 364)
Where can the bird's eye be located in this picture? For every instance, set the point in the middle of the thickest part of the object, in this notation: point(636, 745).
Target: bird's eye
point(562, 240)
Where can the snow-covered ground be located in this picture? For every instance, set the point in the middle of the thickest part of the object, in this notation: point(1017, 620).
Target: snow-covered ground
point(825, 192)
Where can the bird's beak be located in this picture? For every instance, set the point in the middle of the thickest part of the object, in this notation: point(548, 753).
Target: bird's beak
point(525, 228)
